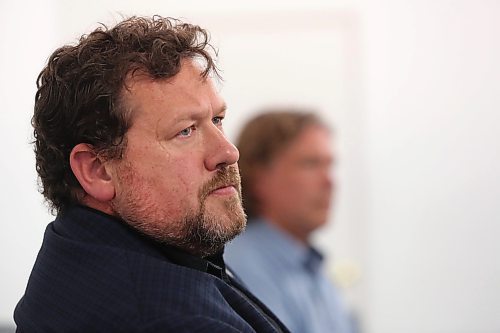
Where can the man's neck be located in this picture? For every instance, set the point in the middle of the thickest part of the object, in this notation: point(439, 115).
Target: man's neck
point(104, 207)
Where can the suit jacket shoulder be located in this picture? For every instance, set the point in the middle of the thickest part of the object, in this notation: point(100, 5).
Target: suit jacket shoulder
point(94, 274)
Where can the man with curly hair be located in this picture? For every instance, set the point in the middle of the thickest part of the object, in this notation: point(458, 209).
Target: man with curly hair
point(132, 157)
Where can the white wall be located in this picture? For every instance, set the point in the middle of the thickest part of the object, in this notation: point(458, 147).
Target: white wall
point(24, 50)
point(433, 100)
point(412, 88)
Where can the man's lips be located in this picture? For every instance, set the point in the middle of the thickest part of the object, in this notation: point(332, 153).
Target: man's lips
point(224, 189)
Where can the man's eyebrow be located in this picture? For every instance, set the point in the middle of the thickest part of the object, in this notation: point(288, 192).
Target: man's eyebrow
point(223, 108)
point(200, 114)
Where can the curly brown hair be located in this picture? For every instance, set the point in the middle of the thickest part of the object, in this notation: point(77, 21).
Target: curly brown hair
point(79, 92)
point(263, 138)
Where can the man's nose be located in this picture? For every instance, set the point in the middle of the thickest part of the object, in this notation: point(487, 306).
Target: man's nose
point(221, 152)
point(327, 178)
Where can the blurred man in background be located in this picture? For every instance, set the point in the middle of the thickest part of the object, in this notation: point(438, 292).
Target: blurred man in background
point(285, 163)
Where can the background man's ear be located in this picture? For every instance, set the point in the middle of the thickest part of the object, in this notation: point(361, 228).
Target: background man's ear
point(91, 173)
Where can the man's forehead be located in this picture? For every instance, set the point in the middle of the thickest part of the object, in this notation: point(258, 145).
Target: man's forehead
point(142, 81)
point(312, 139)
point(187, 93)
point(139, 81)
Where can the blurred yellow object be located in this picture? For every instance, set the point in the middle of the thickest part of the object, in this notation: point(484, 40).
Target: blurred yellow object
point(345, 272)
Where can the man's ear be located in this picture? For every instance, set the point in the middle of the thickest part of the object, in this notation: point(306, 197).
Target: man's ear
point(91, 173)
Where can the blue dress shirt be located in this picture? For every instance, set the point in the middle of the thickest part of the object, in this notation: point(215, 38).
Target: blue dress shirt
point(288, 277)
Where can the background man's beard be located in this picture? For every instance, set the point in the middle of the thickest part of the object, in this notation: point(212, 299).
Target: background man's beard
point(200, 232)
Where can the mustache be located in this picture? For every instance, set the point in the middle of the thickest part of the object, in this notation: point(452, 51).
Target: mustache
point(227, 176)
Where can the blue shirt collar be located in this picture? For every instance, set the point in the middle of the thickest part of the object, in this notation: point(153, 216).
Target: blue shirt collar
point(291, 252)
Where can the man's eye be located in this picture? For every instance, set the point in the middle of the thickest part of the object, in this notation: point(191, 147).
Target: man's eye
point(186, 132)
point(310, 163)
point(217, 120)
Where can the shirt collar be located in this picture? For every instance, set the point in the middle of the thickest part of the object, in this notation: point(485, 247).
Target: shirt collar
point(291, 251)
point(213, 264)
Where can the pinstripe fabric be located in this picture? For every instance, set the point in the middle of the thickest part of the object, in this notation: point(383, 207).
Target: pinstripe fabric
point(94, 274)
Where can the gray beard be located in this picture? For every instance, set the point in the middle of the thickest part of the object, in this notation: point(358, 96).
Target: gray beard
point(202, 240)
point(199, 234)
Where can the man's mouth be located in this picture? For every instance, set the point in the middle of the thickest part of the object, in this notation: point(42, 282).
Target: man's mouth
point(225, 182)
point(226, 189)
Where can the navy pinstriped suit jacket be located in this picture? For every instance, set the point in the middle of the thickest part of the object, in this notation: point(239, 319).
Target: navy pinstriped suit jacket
point(94, 274)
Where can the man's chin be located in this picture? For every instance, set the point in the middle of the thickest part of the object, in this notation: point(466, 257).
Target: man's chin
point(228, 209)
point(217, 225)
point(212, 242)
point(228, 224)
